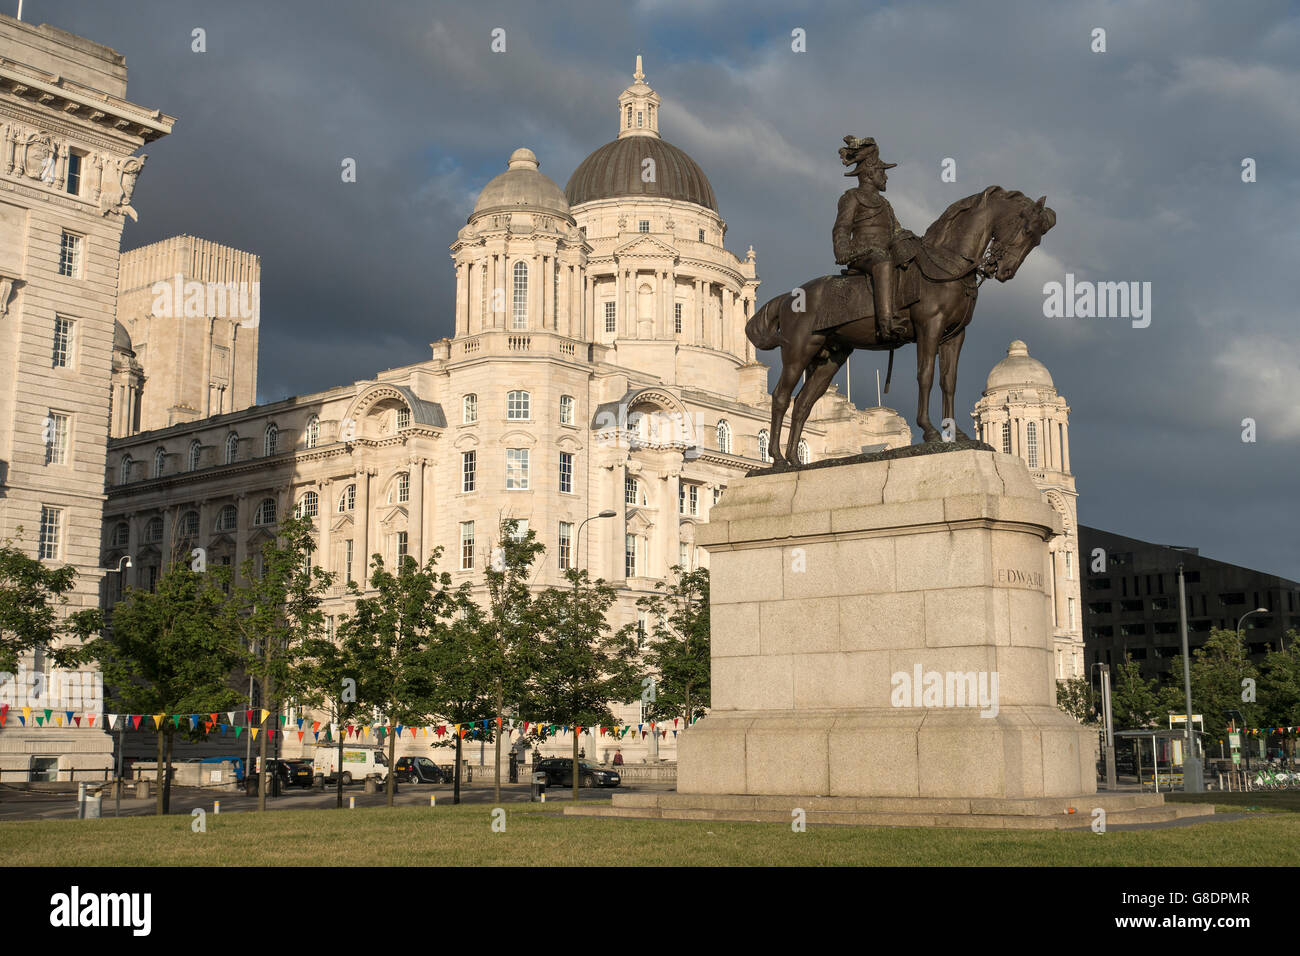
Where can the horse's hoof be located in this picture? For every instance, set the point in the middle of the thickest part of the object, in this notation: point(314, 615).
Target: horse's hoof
point(932, 435)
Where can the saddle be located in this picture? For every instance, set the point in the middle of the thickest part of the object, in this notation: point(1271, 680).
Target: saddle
point(851, 297)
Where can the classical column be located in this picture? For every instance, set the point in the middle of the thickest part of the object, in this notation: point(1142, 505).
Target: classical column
point(361, 528)
point(562, 302)
point(1065, 450)
point(587, 321)
point(415, 516)
point(702, 337)
point(462, 295)
point(241, 532)
point(671, 305)
point(618, 297)
point(325, 490)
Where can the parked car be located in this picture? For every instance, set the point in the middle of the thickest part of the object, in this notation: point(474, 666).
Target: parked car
point(358, 763)
point(300, 769)
point(559, 773)
point(419, 770)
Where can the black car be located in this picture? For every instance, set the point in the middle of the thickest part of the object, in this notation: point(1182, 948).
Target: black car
point(559, 773)
point(420, 770)
point(299, 772)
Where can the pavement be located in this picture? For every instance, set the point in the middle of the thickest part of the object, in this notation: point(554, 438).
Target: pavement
point(24, 805)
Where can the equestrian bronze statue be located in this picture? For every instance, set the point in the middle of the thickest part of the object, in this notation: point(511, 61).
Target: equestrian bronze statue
point(896, 290)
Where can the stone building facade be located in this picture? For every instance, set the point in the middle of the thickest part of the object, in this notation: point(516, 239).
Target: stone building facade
point(598, 362)
point(1022, 414)
point(68, 138)
point(185, 345)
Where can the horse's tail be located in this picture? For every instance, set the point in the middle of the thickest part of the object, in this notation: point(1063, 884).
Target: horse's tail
point(764, 326)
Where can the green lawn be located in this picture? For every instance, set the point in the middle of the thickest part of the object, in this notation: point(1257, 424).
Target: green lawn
point(537, 836)
point(1258, 801)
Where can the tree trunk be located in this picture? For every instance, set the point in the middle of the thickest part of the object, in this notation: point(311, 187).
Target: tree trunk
point(496, 790)
point(338, 767)
point(158, 808)
point(391, 780)
point(166, 787)
point(575, 763)
point(455, 792)
point(261, 750)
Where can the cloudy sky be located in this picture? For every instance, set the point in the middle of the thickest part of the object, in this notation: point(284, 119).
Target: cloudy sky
point(1139, 150)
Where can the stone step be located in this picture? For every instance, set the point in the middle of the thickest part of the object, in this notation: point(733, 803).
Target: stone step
point(1034, 806)
point(708, 808)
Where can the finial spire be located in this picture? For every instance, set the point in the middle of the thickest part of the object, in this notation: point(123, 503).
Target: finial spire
point(638, 107)
point(638, 75)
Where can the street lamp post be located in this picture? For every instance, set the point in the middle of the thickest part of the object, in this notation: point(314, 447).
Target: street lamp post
point(1192, 779)
point(577, 538)
point(124, 561)
point(1241, 620)
point(1108, 725)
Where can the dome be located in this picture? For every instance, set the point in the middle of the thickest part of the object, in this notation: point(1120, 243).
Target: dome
point(615, 170)
point(522, 187)
point(121, 339)
point(1019, 369)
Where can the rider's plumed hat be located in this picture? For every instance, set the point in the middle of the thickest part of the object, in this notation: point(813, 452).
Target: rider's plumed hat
point(863, 152)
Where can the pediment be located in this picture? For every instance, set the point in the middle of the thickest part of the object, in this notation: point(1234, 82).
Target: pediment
point(394, 515)
point(645, 247)
point(342, 522)
point(638, 522)
point(517, 438)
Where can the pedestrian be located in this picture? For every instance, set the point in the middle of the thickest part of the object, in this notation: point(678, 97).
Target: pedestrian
point(618, 757)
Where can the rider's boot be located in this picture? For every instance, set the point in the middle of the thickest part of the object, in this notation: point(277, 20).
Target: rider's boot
point(883, 276)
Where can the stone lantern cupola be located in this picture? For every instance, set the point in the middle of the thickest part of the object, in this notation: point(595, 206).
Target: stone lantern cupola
point(638, 107)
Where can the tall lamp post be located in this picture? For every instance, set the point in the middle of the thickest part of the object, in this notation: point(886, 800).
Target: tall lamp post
point(125, 562)
point(1108, 724)
point(577, 538)
point(1241, 620)
point(1193, 782)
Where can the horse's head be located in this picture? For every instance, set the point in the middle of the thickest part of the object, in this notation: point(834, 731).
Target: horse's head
point(1015, 232)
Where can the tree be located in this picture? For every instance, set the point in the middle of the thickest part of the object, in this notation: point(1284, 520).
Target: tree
point(580, 666)
point(1076, 697)
point(326, 680)
point(1134, 703)
point(33, 596)
point(1279, 689)
point(275, 610)
point(1218, 668)
point(678, 651)
point(167, 653)
point(387, 639)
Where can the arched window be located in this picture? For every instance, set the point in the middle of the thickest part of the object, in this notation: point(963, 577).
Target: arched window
point(265, 512)
point(1006, 438)
point(195, 451)
point(153, 530)
point(227, 518)
point(232, 448)
point(308, 506)
point(401, 489)
point(633, 494)
point(121, 535)
point(1031, 443)
point(125, 476)
point(190, 524)
point(629, 116)
point(803, 452)
point(313, 432)
point(403, 418)
point(566, 409)
point(724, 437)
point(348, 499)
point(520, 301)
point(159, 462)
point(763, 440)
point(469, 409)
point(271, 440)
point(518, 406)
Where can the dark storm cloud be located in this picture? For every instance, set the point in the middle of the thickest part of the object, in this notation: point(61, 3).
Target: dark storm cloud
point(1137, 149)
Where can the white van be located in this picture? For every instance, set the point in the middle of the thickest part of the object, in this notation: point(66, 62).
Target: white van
point(358, 763)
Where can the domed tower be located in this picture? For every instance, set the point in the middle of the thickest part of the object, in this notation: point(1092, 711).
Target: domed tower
point(520, 257)
point(663, 290)
point(1022, 414)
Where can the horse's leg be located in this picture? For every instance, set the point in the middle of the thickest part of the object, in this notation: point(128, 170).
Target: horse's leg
point(927, 340)
point(948, 354)
point(819, 379)
point(791, 370)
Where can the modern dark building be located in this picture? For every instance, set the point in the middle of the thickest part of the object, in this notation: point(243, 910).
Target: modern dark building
point(1132, 605)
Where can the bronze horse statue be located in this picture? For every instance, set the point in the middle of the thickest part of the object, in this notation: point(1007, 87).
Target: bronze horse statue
point(987, 234)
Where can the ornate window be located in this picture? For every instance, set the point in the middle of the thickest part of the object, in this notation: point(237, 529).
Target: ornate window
point(763, 440)
point(308, 506)
point(125, 475)
point(270, 440)
point(516, 469)
point(1031, 443)
point(677, 317)
point(566, 545)
point(196, 450)
point(566, 409)
point(467, 545)
point(51, 532)
point(724, 437)
point(1006, 438)
point(227, 518)
point(805, 455)
point(517, 406)
point(611, 318)
point(62, 356)
point(520, 298)
point(633, 494)
point(469, 409)
point(56, 441)
point(190, 524)
point(402, 488)
point(121, 535)
point(403, 418)
point(232, 448)
point(153, 530)
point(313, 432)
point(347, 499)
point(159, 462)
point(643, 225)
point(265, 512)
